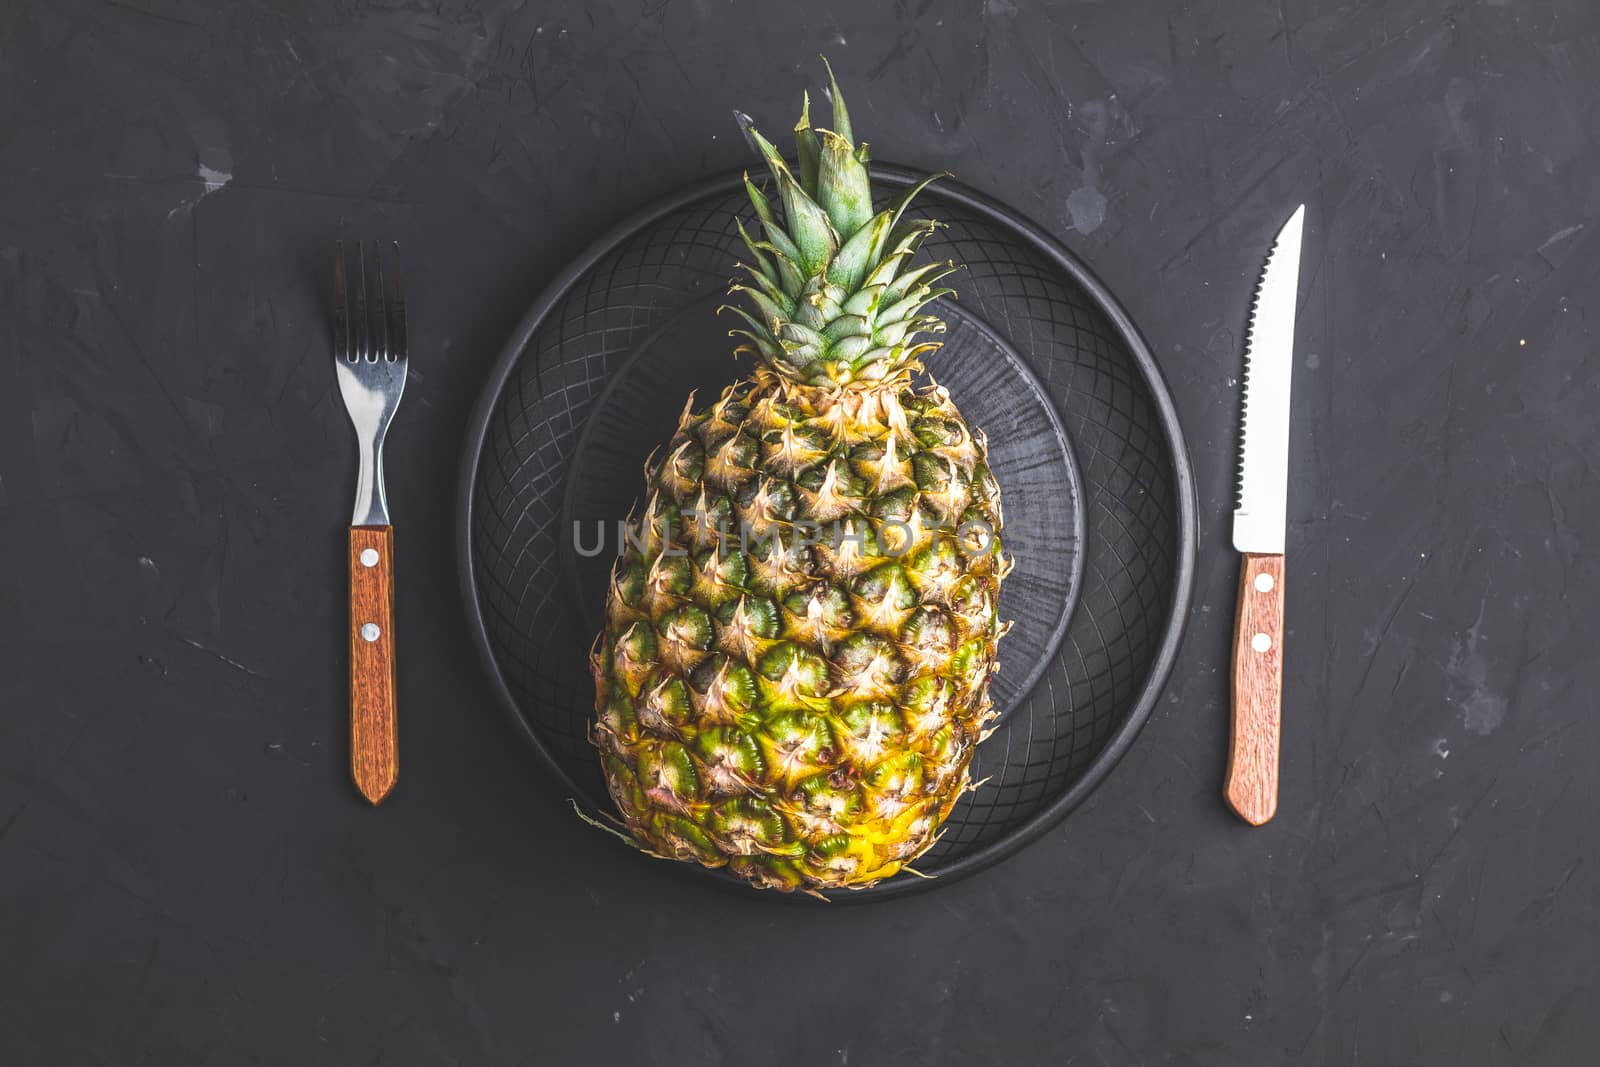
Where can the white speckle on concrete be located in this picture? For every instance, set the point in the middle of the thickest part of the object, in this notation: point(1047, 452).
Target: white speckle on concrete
point(1560, 235)
point(1313, 361)
point(1482, 709)
point(1087, 206)
point(214, 178)
point(1482, 712)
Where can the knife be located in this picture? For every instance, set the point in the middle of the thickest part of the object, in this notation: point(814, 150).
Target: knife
point(1258, 531)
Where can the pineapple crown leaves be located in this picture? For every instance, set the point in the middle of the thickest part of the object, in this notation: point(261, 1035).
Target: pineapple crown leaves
point(833, 298)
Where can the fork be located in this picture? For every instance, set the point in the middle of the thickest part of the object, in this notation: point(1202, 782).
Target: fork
point(369, 353)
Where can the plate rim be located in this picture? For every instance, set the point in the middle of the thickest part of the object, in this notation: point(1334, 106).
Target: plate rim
point(1043, 242)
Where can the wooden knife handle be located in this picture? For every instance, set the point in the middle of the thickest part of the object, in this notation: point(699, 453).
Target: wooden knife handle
point(1252, 786)
point(374, 755)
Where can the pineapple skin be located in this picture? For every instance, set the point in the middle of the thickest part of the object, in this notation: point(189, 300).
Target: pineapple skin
point(801, 629)
point(804, 714)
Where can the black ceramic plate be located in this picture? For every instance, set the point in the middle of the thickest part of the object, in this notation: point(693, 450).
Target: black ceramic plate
point(1094, 477)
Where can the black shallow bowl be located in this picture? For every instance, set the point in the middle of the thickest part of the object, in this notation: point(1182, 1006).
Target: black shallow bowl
point(1095, 480)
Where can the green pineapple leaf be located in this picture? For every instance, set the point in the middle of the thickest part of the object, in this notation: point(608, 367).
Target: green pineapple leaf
point(806, 148)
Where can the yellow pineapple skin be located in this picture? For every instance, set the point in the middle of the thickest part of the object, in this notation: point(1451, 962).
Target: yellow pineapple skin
point(800, 633)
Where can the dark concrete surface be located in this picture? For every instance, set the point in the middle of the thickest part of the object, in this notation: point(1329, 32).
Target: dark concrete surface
point(186, 874)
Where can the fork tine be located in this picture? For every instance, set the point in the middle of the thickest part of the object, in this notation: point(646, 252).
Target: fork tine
point(380, 310)
point(363, 327)
point(341, 306)
point(397, 307)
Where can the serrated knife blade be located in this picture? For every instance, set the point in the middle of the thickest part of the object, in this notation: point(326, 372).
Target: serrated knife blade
point(1263, 502)
point(1259, 520)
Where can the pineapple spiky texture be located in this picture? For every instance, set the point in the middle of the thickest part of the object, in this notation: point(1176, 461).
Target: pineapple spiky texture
point(801, 628)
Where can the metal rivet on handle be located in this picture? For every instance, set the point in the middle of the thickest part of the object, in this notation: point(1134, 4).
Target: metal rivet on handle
point(369, 557)
point(1264, 582)
point(1260, 642)
point(370, 631)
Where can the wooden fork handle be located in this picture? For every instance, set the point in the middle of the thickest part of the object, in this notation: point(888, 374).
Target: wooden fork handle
point(374, 757)
point(1252, 784)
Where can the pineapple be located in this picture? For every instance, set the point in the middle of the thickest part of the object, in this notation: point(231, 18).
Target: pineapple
point(802, 625)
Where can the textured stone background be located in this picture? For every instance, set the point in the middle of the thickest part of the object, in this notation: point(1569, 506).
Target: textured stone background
point(186, 876)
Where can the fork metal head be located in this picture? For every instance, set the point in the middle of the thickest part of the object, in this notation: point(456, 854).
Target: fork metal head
point(369, 351)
